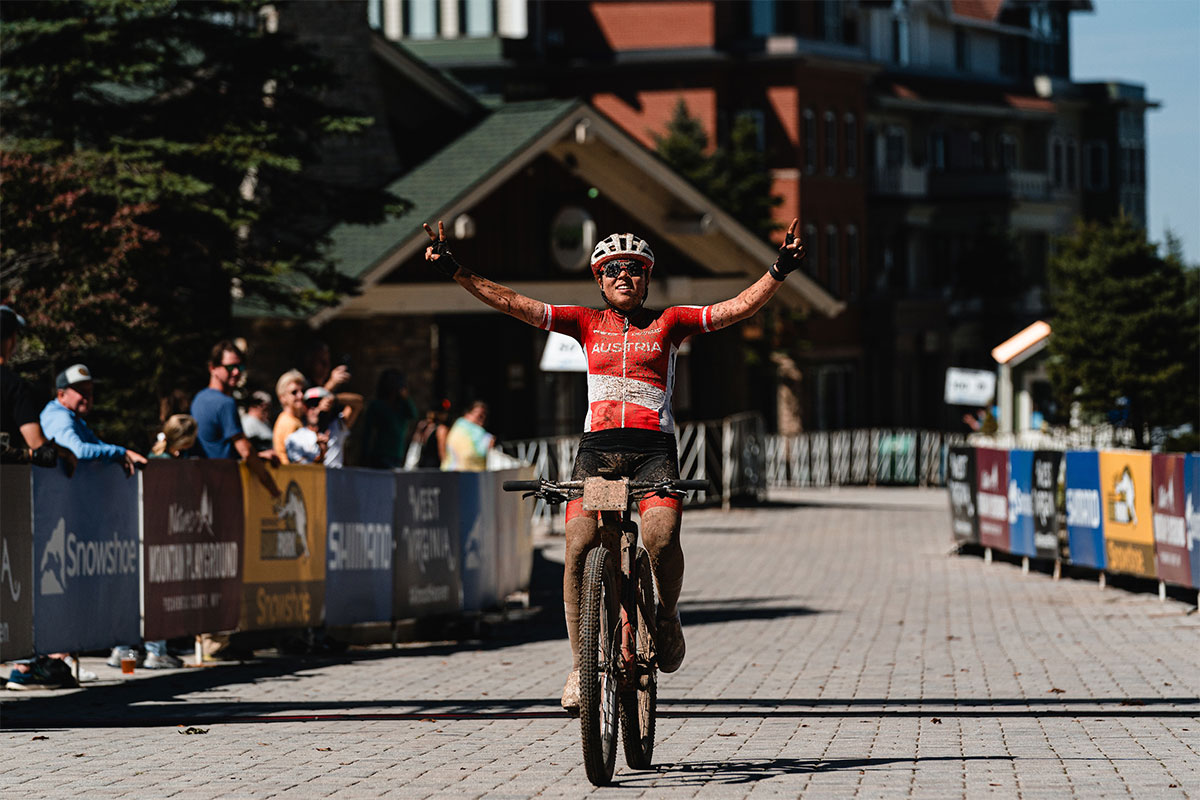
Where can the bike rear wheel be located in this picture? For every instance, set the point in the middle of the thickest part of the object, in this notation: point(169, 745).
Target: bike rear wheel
point(599, 649)
point(639, 703)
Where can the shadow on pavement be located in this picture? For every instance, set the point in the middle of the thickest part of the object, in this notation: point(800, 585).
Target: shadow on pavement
point(735, 771)
point(739, 609)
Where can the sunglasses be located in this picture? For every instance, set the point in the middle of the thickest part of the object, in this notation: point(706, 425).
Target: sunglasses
point(232, 369)
point(613, 269)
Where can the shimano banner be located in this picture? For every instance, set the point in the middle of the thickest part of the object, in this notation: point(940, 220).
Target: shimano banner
point(1020, 502)
point(1128, 514)
point(359, 545)
point(428, 578)
point(991, 467)
point(1170, 527)
point(1047, 467)
point(86, 564)
point(960, 480)
point(283, 582)
point(193, 532)
point(1085, 523)
point(16, 569)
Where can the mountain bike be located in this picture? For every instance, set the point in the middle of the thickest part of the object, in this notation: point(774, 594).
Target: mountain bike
point(618, 675)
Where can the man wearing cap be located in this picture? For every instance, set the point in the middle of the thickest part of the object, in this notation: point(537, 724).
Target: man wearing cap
point(218, 429)
point(62, 420)
point(322, 440)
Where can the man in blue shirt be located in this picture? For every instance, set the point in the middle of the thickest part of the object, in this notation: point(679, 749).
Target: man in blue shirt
point(62, 420)
point(218, 428)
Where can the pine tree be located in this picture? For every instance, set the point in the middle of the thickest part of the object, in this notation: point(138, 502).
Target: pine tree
point(154, 169)
point(1125, 326)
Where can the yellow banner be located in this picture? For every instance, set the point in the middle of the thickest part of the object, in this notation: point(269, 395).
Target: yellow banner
point(1128, 512)
point(284, 563)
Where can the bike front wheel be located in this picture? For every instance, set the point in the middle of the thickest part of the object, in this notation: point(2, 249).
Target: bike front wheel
point(639, 702)
point(599, 651)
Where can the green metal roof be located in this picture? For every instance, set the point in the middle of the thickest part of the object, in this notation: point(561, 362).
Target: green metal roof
point(445, 177)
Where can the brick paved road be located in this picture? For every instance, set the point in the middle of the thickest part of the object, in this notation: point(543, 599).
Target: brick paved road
point(835, 650)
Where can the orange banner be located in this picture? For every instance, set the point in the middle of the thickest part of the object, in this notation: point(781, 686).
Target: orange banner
point(284, 561)
point(1128, 512)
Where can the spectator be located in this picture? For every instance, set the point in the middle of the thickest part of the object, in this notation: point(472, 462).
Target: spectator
point(218, 432)
point(322, 440)
point(385, 424)
point(256, 421)
point(63, 420)
point(24, 440)
point(430, 437)
point(467, 443)
point(177, 437)
point(318, 365)
point(290, 391)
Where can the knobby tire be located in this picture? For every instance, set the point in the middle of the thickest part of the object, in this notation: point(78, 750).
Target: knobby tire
point(638, 704)
point(598, 647)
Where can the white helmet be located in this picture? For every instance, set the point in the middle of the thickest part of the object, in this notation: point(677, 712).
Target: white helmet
point(621, 245)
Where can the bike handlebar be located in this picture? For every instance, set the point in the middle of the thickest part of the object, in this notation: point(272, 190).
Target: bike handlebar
point(537, 485)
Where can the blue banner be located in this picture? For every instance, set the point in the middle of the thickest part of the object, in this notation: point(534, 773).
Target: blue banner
point(86, 558)
point(358, 546)
point(1085, 520)
point(480, 580)
point(428, 576)
point(16, 566)
point(1191, 484)
point(1020, 503)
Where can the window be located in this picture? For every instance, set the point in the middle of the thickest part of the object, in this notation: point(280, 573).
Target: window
point(894, 147)
point(976, 144)
point(762, 17)
point(479, 18)
point(852, 260)
point(756, 119)
point(962, 53)
point(1072, 163)
point(810, 141)
point(900, 32)
point(833, 277)
point(850, 135)
point(831, 142)
point(1008, 152)
point(937, 150)
point(1056, 161)
point(831, 20)
point(421, 19)
point(1096, 155)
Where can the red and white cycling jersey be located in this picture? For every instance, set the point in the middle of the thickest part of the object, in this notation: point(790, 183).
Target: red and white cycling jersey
point(631, 367)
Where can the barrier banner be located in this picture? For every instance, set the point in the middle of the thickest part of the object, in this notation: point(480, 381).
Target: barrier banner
point(358, 545)
point(428, 576)
point(514, 532)
point(16, 568)
point(1047, 466)
point(480, 580)
point(1170, 527)
point(283, 578)
point(86, 560)
point(1191, 482)
point(1128, 512)
point(1020, 502)
point(192, 530)
point(960, 480)
point(1085, 523)
point(992, 497)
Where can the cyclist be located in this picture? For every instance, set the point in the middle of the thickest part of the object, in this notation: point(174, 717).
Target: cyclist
point(629, 430)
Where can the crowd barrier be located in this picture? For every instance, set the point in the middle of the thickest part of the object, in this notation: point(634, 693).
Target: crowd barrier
point(187, 547)
point(1117, 511)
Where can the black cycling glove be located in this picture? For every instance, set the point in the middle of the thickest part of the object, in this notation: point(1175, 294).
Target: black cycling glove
point(445, 261)
point(44, 456)
point(788, 260)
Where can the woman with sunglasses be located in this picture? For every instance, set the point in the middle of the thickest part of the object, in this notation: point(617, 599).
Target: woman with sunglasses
point(630, 428)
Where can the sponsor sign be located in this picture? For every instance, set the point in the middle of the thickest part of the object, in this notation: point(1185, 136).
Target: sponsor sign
point(991, 467)
point(283, 579)
point(86, 558)
point(193, 533)
point(960, 480)
point(1047, 468)
point(1191, 501)
point(1085, 518)
point(1170, 524)
point(359, 545)
point(1020, 502)
point(428, 576)
point(563, 354)
point(16, 562)
point(1128, 515)
point(514, 532)
point(477, 526)
point(969, 387)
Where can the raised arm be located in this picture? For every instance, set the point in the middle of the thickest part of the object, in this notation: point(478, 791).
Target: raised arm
point(755, 296)
point(498, 297)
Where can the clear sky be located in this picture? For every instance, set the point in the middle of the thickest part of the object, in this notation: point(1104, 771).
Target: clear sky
point(1155, 43)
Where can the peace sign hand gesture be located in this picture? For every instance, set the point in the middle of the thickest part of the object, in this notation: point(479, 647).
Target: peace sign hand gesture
point(438, 252)
point(791, 253)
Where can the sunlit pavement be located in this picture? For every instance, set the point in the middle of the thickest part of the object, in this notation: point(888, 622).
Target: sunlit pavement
point(835, 649)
